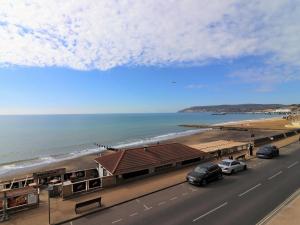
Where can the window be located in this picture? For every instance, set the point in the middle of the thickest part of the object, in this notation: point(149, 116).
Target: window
point(162, 168)
point(213, 168)
point(135, 174)
point(190, 161)
point(104, 172)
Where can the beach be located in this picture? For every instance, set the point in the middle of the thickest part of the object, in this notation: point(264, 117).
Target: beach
point(259, 128)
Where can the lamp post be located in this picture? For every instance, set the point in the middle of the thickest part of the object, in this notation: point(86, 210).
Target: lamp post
point(50, 188)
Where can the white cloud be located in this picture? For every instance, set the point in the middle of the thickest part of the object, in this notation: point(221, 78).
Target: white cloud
point(267, 77)
point(88, 34)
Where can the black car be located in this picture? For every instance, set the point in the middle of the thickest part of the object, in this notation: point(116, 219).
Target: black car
point(204, 173)
point(267, 152)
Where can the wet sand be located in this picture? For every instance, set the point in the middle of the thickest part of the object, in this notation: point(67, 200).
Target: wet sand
point(259, 128)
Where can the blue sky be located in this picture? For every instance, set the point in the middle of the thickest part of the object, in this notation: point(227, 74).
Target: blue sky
point(154, 57)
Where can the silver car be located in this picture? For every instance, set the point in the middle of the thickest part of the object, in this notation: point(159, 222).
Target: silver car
point(230, 166)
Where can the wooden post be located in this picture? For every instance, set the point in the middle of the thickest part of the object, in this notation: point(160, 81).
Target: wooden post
point(5, 216)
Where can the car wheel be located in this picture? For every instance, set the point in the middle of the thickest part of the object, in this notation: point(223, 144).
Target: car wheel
point(245, 167)
point(232, 171)
point(204, 182)
point(220, 176)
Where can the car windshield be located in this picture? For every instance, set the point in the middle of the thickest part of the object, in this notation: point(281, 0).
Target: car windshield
point(199, 169)
point(225, 163)
point(265, 150)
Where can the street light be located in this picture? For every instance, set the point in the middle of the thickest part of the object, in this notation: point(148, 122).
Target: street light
point(50, 188)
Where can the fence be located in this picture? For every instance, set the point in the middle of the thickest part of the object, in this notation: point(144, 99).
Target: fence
point(17, 200)
point(70, 189)
point(268, 140)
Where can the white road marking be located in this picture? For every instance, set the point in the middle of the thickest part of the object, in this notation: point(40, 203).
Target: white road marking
point(192, 189)
point(134, 214)
point(185, 193)
point(161, 203)
point(256, 186)
point(71, 223)
point(174, 198)
point(211, 211)
point(116, 221)
point(275, 175)
point(147, 208)
point(293, 164)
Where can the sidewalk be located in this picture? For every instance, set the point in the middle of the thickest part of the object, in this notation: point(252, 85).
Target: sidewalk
point(285, 214)
point(64, 210)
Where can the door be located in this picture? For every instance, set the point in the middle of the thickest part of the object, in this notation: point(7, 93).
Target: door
point(236, 166)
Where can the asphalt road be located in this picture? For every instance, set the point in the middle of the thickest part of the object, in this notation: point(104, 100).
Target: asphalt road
point(244, 198)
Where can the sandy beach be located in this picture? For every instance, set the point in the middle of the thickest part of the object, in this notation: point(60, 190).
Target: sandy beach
point(259, 128)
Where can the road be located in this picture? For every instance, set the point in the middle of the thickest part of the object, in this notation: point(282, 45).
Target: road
point(244, 198)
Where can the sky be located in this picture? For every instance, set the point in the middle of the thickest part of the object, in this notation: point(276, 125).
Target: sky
point(114, 56)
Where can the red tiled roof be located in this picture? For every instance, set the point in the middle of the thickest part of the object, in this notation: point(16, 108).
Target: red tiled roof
point(130, 160)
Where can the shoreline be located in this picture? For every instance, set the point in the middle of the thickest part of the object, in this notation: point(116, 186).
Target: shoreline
point(192, 136)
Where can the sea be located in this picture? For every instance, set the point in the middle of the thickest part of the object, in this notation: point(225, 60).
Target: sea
point(28, 141)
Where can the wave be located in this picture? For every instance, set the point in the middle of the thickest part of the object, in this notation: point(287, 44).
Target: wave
point(159, 138)
point(39, 162)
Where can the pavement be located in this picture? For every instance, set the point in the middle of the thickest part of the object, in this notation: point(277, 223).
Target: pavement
point(286, 213)
point(64, 210)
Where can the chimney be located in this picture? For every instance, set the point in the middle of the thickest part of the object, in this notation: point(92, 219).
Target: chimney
point(145, 148)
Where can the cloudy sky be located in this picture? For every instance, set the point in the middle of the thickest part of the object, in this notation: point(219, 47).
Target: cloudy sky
point(87, 56)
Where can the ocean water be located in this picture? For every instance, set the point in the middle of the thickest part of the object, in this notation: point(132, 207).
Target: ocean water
point(27, 141)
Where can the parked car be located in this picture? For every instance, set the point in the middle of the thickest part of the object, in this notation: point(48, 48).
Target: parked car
point(204, 173)
point(230, 166)
point(267, 152)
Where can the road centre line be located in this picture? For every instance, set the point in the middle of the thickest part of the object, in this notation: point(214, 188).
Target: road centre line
point(293, 164)
point(147, 208)
point(134, 214)
point(161, 203)
point(192, 189)
point(174, 198)
point(256, 186)
point(211, 211)
point(116, 221)
point(275, 175)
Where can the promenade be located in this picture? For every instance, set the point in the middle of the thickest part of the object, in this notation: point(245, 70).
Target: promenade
point(64, 210)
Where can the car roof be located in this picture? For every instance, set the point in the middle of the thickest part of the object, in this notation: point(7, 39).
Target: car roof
point(268, 146)
point(228, 160)
point(207, 165)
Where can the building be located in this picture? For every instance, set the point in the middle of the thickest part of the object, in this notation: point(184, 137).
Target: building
point(137, 162)
point(226, 147)
point(283, 111)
